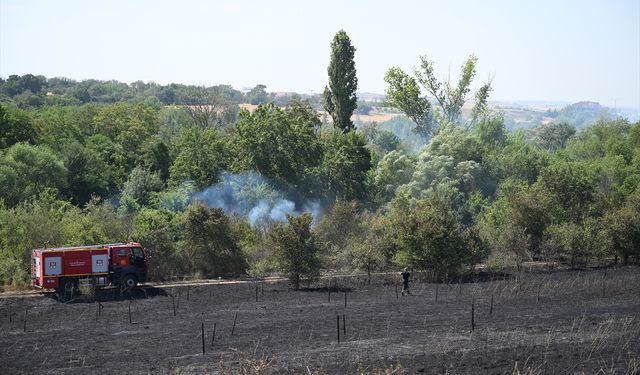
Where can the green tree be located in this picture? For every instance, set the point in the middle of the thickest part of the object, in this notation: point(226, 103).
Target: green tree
point(571, 186)
point(554, 136)
point(403, 93)
point(201, 157)
point(576, 244)
point(258, 95)
point(623, 228)
point(87, 175)
point(27, 170)
point(156, 230)
point(206, 245)
point(281, 145)
point(141, 184)
point(154, 155)
point(129, 125)
point(516, 222)
point(23, 228)
point(429, 237)
point(111, 154)
point(395, 169)
point(15, 126)
point(96, 223)
point(340, 98)
point(58, 126)
point(296, 248)
point(338, 224)
point(519, 159)
point(386, 141)
point(450, 97)
point(345, 167)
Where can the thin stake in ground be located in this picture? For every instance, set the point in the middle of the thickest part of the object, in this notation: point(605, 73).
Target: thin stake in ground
point(338, 327)
point(473, 322)
point(235, 317)
point(344, 325)
point(213, 336)
point(491, 307)
point(203, 338)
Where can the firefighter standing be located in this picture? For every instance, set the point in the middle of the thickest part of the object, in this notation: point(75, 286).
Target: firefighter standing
point(405, 281)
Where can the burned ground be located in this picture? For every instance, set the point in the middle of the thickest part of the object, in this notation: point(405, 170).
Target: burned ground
point(544, 322)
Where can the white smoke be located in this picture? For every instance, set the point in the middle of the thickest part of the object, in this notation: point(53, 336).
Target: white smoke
point(250, 194)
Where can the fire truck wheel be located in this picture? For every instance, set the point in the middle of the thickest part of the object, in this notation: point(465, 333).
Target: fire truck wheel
point(69, 284)
point(130, 281)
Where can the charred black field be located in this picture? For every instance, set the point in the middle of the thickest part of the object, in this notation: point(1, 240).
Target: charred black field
point(560, 322)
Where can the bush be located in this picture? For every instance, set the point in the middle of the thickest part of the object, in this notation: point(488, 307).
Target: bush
point(296, 248)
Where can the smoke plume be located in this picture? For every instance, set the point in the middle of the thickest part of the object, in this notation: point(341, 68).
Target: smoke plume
point(250, 194)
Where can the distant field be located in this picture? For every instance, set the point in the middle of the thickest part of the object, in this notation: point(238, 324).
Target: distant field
point(373, 116)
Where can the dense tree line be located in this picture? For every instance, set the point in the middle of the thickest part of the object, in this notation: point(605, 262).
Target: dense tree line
point(110, 162)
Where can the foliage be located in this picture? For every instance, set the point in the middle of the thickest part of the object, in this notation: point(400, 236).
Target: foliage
point(296, 248)
point(403, 93)
point(87, 175)
point(156, 229)
point(15, 126)
point(140, 184)
point(27, 170)
point(368, 244)
point(554, 136)
point(570, 186)
point(395, 169)
point(429, 237)
point(200, 159)
point(337, 226)
point(340, 98)
point(70, 149)
point(258, 95)
point(281, 145)
point(517, 220)
point(623, 228)
point(44, 219)
point(206, 246)
point(345, 166)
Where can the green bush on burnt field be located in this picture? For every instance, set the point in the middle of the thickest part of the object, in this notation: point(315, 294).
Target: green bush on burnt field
point(94, 162)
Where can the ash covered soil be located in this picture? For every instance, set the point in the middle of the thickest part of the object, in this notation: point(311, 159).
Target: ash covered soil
point(544, 322)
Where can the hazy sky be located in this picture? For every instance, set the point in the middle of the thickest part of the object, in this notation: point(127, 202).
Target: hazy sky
point(535, 50)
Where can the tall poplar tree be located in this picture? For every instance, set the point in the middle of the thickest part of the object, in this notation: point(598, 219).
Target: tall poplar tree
point(340, 96)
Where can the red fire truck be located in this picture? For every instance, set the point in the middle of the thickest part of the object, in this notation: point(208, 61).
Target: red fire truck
point(64, 268)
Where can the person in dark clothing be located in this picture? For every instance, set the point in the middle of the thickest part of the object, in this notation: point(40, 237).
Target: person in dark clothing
point(405, 281)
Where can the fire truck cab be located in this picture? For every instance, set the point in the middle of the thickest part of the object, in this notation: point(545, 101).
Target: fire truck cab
point(65, 268)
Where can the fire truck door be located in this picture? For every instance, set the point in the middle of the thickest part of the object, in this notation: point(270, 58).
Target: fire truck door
point(121, 257)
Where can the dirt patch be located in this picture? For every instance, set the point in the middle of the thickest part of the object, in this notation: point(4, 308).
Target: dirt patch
point(544, 322)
